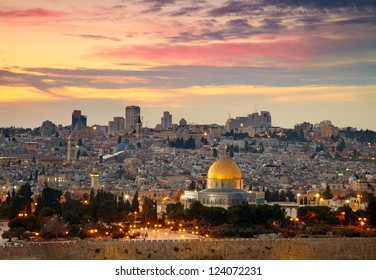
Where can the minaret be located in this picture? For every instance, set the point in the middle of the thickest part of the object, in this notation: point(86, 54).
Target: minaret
point(139, 128)
point(72, 149)
point(94, 178)
point(100, 155)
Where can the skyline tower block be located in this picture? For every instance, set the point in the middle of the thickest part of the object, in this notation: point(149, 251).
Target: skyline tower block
point(132, 114)
point(166, 120)
point(79, 121)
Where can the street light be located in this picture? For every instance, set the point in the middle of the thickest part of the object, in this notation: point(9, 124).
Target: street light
point(362, 222)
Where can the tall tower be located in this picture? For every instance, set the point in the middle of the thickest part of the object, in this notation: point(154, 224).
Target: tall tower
point(117, 125)
point(166, 120)
point(94, 178)
point(132, 114)
point(72, 149)
point(79, 121)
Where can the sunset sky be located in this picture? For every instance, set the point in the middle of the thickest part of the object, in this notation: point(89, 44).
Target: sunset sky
point(202, 60)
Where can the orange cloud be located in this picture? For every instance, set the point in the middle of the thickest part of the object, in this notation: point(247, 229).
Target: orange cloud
point(222, 54)
point(31, 13)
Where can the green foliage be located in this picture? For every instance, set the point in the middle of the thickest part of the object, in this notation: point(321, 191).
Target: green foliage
point(175, 211)
point(51, 199)
point(363, 136)
point(80, 143)
point(246, 215)
point(135, 206)
point(241, 216)
point(341, 146)
point(46, 212)
point(5, 210)
point(21, 201)
point(345, 215)
point(371, 210)
point(107, 211)
point(180, 143)
point(149, 210)
point(317, 215)
point(19, 232)
point(30, 223)
point(9, 235)
point(192, 186)
point(327, 193)
point(72, 217)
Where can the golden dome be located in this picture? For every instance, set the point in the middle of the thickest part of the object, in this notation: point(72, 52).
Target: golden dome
point(224, 169)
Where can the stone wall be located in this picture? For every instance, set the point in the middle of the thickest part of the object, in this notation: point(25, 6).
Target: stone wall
point(243, 249)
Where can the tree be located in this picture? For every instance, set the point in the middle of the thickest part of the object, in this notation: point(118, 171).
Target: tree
point(214, 216)
point(9, 234)
point(175, 211)
point(316, 215)
point(80, 143)
point(192, 186)
point(51, 198)
point(22, 201)
point(327, 194)
point(107, 211)
point(371, 210)
point(120, 204)
point(195, 211)
point(215, 153)
point(231, 153)
point(341, 146)
point(346, 215)
point(245, 215)
point(149, 210)
point(135, 206)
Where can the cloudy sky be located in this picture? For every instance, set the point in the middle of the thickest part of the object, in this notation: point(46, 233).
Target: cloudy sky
point(202, 60)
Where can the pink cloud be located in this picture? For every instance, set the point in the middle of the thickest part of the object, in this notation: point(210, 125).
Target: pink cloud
point(31, 13)
point(215, 54)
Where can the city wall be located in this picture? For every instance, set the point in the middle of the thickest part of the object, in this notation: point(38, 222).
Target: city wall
point(204, 249)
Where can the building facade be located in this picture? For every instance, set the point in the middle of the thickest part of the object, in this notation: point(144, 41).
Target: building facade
point(254, 120)
point(132, 115)
point(166, 120)
point(79, 121)
point(117, 125)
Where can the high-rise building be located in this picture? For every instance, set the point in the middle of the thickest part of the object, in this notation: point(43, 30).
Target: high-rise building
point(166, 120)
point(117, 125)
point(254, 120)
point(79, 121)
point(132, 114)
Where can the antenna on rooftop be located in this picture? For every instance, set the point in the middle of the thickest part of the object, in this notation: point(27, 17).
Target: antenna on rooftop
point(256, 108)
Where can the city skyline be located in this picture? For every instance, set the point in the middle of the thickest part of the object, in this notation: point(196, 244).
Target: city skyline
point(199, 60)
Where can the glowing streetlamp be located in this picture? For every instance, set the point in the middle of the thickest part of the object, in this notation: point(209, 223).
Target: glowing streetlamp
point(362, 222)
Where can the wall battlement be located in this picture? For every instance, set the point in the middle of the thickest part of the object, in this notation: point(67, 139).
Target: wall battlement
point(204, 249)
